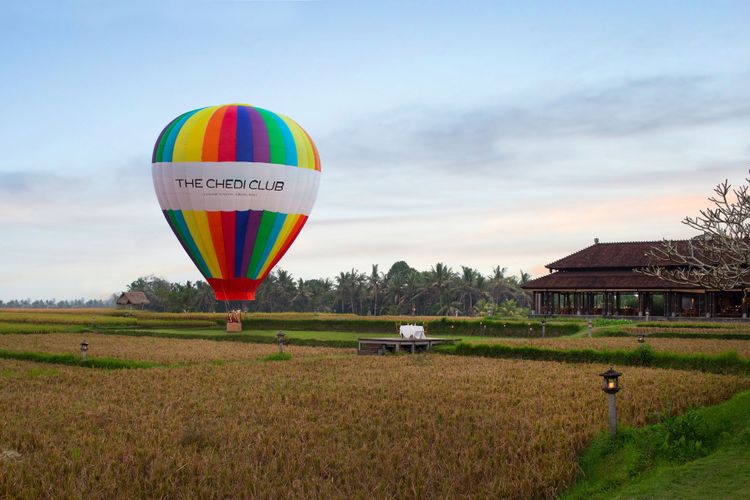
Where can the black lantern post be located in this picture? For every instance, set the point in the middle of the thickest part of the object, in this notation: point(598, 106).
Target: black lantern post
point(84, 349)
point(641, 338)
point(544, 327)
point(281, 338)
point(611, 379)
point(591, 327)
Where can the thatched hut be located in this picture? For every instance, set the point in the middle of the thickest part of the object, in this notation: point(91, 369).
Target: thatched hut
point(131, 299)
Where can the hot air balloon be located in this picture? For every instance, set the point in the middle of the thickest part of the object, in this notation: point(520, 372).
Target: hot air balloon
point(236, 184)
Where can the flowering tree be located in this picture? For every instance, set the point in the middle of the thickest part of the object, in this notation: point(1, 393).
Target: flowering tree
point(719, 257)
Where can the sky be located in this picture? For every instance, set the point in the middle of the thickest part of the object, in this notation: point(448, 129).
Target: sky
point(465, 132)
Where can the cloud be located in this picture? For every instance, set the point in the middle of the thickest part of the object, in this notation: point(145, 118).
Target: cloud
point(24, 183)
point(509, 136)
point(50, 201)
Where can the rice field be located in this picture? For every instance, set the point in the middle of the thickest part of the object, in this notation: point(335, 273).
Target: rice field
point(676, 345)
point(343, 427)
point(741, 329)
point(155, 349)
point(327, 423)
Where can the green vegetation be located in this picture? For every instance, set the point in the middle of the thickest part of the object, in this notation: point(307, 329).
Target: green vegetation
point(598, 322)
point(729, 362)
point(32, 321)
point(277, 356)
point(701, 454)
point(402, 290)
point(74, 360)
point(39, 328)
point(441, 326)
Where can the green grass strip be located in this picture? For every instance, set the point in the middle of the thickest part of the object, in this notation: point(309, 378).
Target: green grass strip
point(22, 328)
point(729, 362)
point(76, 360)
point(701, 454)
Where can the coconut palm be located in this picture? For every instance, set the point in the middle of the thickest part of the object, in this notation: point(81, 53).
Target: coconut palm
point(375, 280)
point(441, 282)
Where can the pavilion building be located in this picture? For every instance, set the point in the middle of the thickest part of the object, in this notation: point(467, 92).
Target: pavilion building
point(602, 280)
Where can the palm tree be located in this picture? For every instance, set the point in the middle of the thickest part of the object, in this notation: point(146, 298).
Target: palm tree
point(286, 290)
point(467, 288)
point(395, 292)
point(498, 273)
point(204, 299)
point(375, 281)
point(524, 278)
point(343, 290)
point(322, 295)
point(349, 286)
point(440, 278)
point(301, 299)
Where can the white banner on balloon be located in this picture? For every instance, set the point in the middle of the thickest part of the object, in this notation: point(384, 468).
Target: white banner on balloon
point(230, 186)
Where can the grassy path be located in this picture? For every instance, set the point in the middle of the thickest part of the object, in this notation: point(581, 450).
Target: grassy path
point(702, 454)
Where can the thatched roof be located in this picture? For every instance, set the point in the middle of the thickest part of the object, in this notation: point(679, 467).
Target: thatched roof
point(132, 298)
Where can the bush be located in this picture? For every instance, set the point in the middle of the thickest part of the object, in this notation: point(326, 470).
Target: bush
point(277, 356)
point(682, 438)
point(645, 354)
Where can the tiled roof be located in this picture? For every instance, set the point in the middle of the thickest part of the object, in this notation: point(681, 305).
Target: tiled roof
point(630, 254)
point(598, 280)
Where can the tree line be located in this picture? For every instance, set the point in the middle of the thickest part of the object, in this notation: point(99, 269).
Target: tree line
point(402, 290)
point(58, 304)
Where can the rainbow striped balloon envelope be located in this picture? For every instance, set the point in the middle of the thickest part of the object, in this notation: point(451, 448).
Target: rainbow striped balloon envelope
point(236, 184)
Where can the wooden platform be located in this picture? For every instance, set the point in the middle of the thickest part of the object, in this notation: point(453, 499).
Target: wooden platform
point(396, 344)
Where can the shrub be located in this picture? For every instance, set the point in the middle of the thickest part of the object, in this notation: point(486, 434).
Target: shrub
point(277, 356)
point(682, 438)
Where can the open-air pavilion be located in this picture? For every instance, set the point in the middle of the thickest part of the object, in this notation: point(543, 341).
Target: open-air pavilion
point(602, 280)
